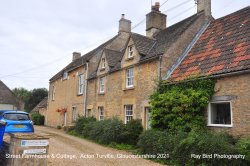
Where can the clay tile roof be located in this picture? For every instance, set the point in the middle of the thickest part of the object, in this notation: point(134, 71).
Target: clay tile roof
point(223, 48)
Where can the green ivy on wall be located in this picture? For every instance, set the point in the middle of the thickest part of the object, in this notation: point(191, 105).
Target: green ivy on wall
point(181, 106)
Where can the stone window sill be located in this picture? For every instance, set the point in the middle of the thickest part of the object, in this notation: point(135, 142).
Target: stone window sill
point(102, 69)
point(129, 88)
point(101, 93)
point(130, 58)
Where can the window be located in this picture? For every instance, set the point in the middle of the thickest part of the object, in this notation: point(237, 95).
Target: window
point(129, 78)
point(16, 116)
point(130, 51)
point(80, 84)
point(65, 75)
point(74, 114)
point(220, 114)
point(147, 117)
point(102, 85)
point(103, 63)
point(53, 92)
point(101, 113)
point(128, 113)
point(88, 113)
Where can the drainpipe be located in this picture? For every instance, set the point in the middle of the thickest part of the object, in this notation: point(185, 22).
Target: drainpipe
point(85, 90)
point(159, 68)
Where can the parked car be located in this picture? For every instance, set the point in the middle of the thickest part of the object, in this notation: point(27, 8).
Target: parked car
point(16, 121)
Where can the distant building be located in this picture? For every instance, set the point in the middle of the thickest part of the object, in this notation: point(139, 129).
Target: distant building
point(8, 101)
point(41, 108)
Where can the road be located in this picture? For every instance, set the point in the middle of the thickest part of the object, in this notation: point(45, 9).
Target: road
point(72, 151)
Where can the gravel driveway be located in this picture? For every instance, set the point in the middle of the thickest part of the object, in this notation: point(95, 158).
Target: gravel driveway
point(72, 151)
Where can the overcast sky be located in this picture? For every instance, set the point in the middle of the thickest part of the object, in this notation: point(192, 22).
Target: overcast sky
point(37, 37)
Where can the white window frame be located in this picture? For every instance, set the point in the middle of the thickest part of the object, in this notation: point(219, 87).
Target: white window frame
point(74, 114)
point(53, 92)
point(103, 63)
point(130, 78)
point(101, 113)
point(128, 116)
point(102, 85)
point(130, 51)
point(80, 84)
point(209, 115)
point(65, 75)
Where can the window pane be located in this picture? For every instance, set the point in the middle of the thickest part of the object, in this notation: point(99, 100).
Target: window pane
point(220, 113)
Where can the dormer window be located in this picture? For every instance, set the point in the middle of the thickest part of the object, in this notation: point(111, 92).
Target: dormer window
point(65, 75)
point(130, 51)
point(103, 63)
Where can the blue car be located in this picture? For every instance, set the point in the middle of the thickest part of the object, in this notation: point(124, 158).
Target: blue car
point(16, 121)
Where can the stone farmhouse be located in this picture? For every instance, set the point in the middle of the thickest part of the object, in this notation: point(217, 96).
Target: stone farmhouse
point(116, 78)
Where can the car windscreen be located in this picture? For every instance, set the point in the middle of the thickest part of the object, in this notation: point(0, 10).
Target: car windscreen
point(16, 116)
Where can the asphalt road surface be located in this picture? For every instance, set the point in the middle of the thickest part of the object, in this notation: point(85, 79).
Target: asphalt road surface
point(66, 150)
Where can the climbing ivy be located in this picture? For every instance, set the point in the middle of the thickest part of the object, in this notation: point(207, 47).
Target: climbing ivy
point(181, 106)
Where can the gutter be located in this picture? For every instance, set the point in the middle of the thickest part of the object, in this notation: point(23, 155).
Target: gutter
point(187, 50)
point(213, 76)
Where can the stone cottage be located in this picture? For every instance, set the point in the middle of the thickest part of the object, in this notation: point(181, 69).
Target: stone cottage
point(117, 77)
point(223, 53)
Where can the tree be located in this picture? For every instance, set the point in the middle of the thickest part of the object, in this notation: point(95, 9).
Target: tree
point(36, 95)
point(22, 94)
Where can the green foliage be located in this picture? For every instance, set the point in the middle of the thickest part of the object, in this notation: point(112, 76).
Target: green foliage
point(180, 145)
point(35, 97)
point(82, 122)
point(37, 119)
point(30, 98)
point(180, 106)
point(132, 131)
point(243, 146)
point(109, 130)
point(21, 93)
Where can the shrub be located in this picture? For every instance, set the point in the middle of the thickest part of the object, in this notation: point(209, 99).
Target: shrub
point(112, 131)
point(243, 145)
point(180, 106)
point(37, 119)
point(180, 145)
point(205, 142)
point(132, 131)
point(82, 122)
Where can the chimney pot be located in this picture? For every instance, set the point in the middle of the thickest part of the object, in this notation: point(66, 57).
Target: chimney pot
point(124, 24)
point(155, 20)
point(76, 55)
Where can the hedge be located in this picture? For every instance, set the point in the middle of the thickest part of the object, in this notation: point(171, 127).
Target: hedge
point(37, 119)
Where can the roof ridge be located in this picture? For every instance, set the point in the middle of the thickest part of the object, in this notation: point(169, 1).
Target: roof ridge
point(233, 13)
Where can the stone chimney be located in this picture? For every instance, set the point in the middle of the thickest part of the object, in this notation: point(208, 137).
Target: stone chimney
point(124, 25)
point(204, 5)
point(76, 55)
point(155, 20)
